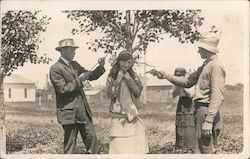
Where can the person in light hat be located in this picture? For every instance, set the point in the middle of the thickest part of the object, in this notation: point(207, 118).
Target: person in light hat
point(209, 81)
point(73, 111)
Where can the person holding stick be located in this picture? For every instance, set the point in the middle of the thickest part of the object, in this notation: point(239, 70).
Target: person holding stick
point(210, 81)
point(73, 111)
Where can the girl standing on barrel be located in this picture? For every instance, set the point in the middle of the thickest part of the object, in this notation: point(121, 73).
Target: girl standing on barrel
point(127, 134)
point(185, 126)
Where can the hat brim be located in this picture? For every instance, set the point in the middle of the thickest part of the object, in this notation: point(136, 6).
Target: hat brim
point(211, 49)
point(60, 47)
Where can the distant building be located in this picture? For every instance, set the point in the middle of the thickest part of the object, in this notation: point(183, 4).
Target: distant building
point(19, 89)
point(94, 95)
point(158, 90)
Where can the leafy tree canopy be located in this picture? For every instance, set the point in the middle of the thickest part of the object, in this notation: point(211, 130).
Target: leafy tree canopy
point(133, 30)
point(21, 31)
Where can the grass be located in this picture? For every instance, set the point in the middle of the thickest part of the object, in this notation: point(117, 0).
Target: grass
point(34, 130)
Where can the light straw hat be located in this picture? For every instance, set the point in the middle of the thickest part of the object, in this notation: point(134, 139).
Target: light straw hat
point(66, 43)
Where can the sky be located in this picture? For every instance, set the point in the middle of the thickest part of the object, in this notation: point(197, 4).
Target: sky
point(165, 56)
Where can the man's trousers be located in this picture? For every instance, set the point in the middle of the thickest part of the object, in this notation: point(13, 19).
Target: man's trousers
point(205, 144)
point(88, 136)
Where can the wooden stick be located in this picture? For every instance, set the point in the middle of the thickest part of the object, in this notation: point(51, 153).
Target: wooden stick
point(92, 68)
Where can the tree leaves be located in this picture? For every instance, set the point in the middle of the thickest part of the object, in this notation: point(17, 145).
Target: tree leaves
point(135, 29)
point(21, 38)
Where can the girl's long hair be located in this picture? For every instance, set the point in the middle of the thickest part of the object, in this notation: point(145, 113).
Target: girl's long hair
point(116, 68)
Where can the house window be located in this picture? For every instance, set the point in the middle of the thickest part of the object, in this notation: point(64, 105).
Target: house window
point(9, 93)
point(25, 93)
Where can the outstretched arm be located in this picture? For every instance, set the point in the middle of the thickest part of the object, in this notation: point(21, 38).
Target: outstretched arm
point(186, 82)
point(92, 75)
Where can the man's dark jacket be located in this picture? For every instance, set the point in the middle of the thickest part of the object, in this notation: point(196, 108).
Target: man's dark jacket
point(71, 102)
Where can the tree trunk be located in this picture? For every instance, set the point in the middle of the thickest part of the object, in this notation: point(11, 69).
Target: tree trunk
point(128, 32)
point(2, 112)
point(145, 80)
point(2, 121)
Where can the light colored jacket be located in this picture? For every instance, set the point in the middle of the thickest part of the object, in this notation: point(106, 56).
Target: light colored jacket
point(210, 82)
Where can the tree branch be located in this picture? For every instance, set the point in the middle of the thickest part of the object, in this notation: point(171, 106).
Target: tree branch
point(134, 24)
point(142, 39)
point(135, 31)
point(110, 24)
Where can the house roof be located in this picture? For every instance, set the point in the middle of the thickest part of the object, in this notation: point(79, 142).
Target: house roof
point(15, 78)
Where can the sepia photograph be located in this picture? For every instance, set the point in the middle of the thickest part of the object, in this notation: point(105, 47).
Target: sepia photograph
point(124, 79)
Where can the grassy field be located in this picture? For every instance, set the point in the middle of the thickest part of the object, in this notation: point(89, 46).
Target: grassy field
point(34, 130)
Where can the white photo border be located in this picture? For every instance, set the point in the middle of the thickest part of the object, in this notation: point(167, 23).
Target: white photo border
point(141, 4)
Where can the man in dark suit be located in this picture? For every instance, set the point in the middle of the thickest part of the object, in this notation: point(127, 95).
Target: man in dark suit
point(73, 111)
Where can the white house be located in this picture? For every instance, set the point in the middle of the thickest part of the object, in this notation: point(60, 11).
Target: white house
point(159, 91)
point(19, 89)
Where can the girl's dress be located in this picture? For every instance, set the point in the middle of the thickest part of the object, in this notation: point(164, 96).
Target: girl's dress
point(127, 132)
